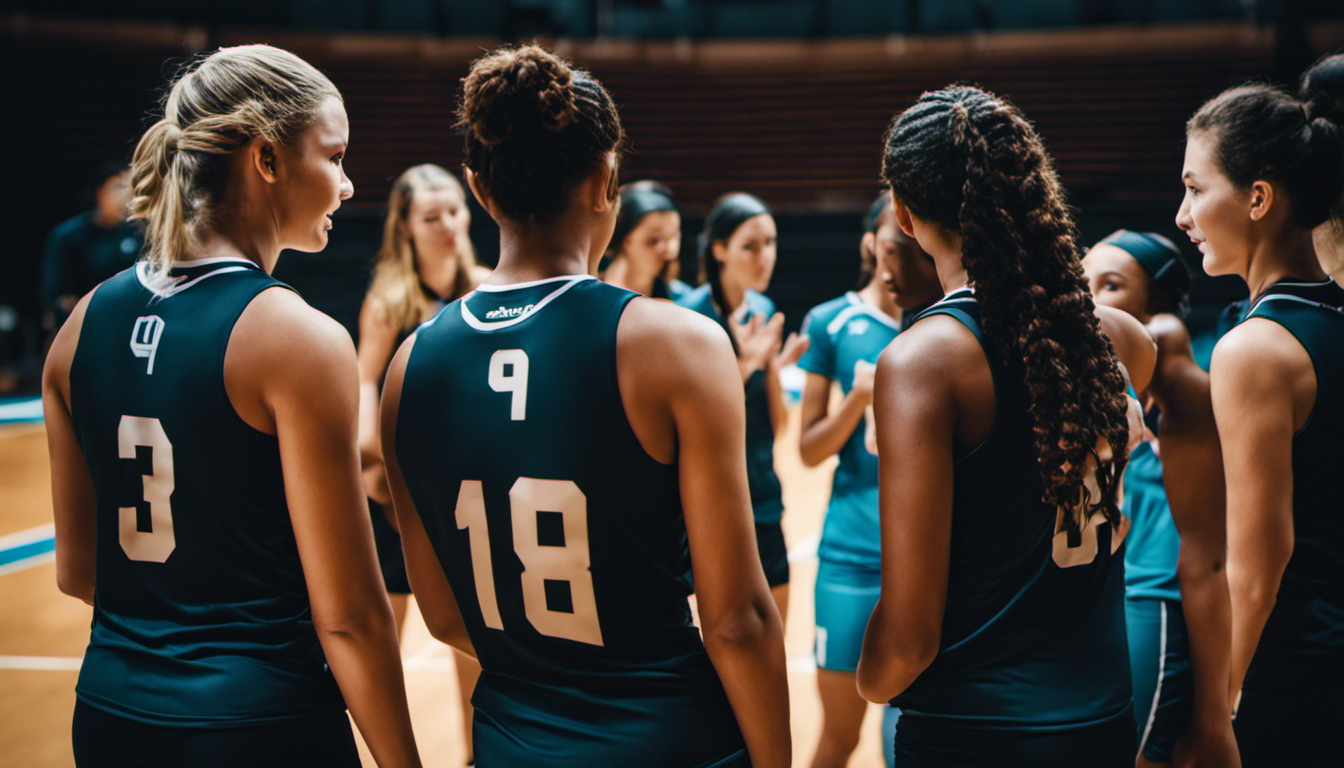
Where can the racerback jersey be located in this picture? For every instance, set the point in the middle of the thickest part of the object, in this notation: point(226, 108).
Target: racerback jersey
point(767, 496)
point(1303, 640)
point(562, 539)
point(1033, 634)
point(842, 332)
point(201, 614)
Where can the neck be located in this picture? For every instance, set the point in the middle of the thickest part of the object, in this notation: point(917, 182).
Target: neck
point(877, 295)
point(537, 253)
point(439, 274)
point(1289, 256)
point(246, 228)
point(733, 292)
point(104, 220)
point(625, 273)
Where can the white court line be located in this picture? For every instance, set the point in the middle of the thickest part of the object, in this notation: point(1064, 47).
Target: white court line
point(41, 663)
point(26, 563)
point(28, 536)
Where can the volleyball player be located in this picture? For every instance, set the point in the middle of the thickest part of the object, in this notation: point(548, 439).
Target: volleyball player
point(1002, 428)
point(554, 443)
point(1142, 274)
point(205, 469)
point(737, 256)
point(646, 241)
point(1262, 170)
point(425, 260)
point(845, 337)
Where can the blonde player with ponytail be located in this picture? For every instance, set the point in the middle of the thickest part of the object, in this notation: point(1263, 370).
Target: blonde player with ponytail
point(205, 471)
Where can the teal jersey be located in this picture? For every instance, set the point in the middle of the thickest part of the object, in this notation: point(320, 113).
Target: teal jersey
point(1304, 636)
point(1152, 545)
point(840, 333)
point(201, 613)
point(1033, 634)
point(767, 497)
point(562, 539)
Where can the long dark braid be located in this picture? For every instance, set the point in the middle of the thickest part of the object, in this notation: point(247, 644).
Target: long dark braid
point(969, 162)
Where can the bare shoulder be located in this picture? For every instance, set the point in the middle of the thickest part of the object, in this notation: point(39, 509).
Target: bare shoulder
point(56, 370)
point(939, 347)
point(281, 340)
point(1133, 345)
point(657, 328)
point(1258, 348)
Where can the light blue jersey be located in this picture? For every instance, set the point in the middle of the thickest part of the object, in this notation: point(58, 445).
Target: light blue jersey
point(1150, 560)
point(842, 332)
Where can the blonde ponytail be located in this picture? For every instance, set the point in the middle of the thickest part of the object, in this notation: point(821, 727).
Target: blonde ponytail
point(220, 103)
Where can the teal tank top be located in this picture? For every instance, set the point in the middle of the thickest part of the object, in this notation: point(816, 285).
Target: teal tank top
point(1033, 634)
point(1152, 545)
point(201, 614)
point(1303, 640)
point(562, 539)
point(767, 497)
point(842, 332)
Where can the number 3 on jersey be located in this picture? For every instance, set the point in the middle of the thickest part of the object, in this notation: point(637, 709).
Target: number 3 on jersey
point(566, 562)
point(156, 544)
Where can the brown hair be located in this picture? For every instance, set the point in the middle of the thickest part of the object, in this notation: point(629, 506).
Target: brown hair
point(396, 276)
point(969, 162)
point(217, 104)
point(534, 127)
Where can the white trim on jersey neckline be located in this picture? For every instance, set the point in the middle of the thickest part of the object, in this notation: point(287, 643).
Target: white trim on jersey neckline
point(495, 325)
point(171, 286)
point(857, 305)
point(957, 294)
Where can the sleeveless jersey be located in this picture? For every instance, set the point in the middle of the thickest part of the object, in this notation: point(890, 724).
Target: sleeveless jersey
point(1153, 544)
point(767, 497)
point(562, 539)
point(841, 332)
point(1033, 634)
point(1304, 636)
point(201, 613)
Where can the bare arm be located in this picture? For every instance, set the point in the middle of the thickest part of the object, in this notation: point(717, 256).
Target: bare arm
point(377, 338)
point(1256, 417)
point(682, 377)
point(1133, 345)
point(428, 582)
point(71, 485)
point(823, 433)
point(1193, 478)
point(916, 411)
point(305, 377)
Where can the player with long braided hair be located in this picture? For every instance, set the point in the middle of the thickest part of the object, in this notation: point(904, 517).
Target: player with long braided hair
point(1002, 432)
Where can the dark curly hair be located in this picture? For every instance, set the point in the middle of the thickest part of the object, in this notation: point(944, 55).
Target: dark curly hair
point(969, 162)
point(534, 127)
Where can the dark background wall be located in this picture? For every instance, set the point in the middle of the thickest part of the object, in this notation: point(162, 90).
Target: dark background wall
point(797, 121)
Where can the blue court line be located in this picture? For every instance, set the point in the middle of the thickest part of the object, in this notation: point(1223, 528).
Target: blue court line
point(20, 410)
point(24, 551)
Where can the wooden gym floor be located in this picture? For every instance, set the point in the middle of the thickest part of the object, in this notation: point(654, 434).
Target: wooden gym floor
point(43, 633)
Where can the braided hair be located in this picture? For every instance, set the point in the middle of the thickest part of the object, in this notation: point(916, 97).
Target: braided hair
point(969, 162)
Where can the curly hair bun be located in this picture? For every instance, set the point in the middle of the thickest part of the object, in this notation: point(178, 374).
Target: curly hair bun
point(517, 92)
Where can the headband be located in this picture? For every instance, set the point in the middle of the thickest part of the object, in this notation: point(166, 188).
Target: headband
point(1158, 256)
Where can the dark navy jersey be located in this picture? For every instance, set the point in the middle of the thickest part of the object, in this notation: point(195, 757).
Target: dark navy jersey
point(1304, 636)
point(1033, 634)
point(767, 496)
point(562, 539)
point(201, 613)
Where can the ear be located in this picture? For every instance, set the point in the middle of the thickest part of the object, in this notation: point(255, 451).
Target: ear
point(1262, 199)
point(478, 189)
point(264, 159)
point(904, 219)
point(719, 249)
point(869, 243)
point(602, 191)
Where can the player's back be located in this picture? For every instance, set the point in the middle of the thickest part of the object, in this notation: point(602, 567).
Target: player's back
point(1033, 633)
point(201, 612)
point(562, 539)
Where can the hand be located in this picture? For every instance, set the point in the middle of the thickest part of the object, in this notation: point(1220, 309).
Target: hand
point(757, 340)
point(869, 430)
point(1212, 746)
point(864, 372)
point(794, 347)
point(1138, 428)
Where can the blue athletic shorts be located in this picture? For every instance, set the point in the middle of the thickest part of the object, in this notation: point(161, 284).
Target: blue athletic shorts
point(845, 596)
point(1159, 660)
